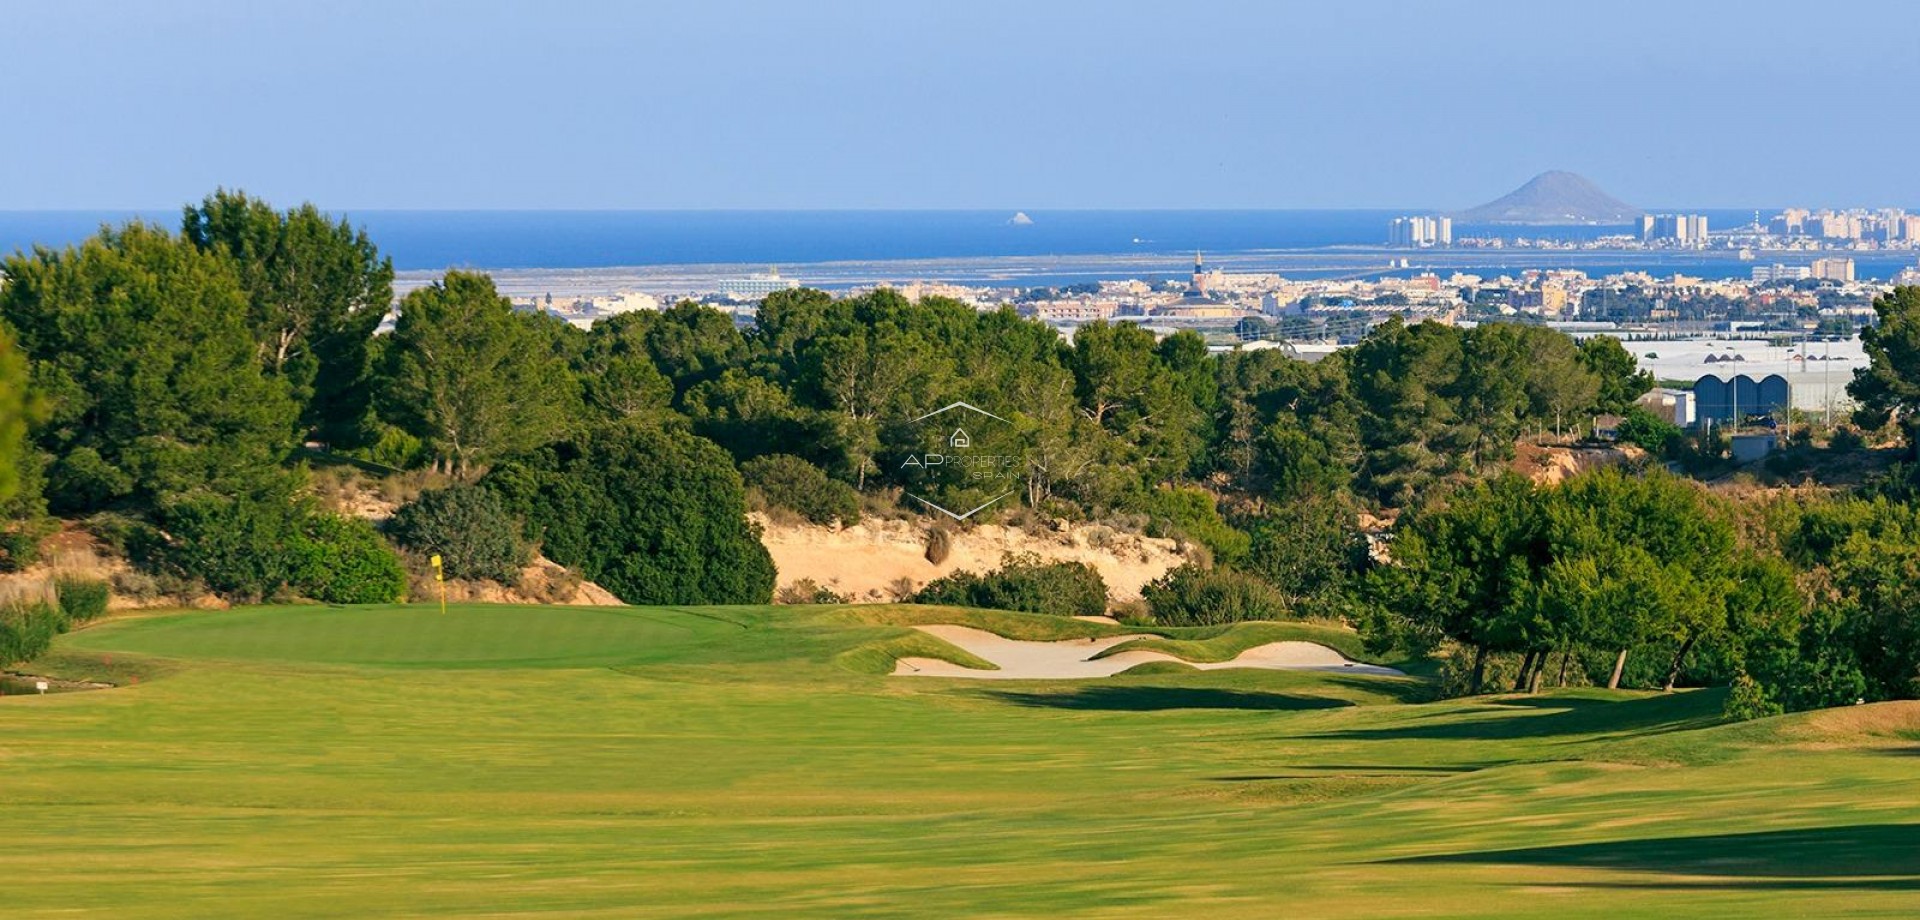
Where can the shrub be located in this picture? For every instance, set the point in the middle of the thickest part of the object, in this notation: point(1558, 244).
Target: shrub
point(647, 510)
point(20, 543)
point(902, 589)
point(939, 545)
point(234, 546)
point(807, 591)
point(343, 560)
point(1846, 439)
point(470, 528)
point(1650, 432)
point(1747, 699)
point(1024, 583)
point(26, 629)
point(82, 600)
point(1192, 513)
point(393, 448)
point(1192, 596)
point(255, 547)
point(786, 481)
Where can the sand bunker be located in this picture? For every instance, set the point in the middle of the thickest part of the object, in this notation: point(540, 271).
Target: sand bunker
point(1021, 660)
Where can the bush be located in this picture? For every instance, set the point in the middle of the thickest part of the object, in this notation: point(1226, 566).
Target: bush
point(82, 600)
point(234, 546)
point(1846, 439)
point(26, 629)
point(1747, 699)
point(470, 528)
point(1650, 432)
point(939, 545)
point(343, 560)
point(651, 512)
point(807, 591)
point(257, 547)
point(786, 481)
point(1192, 513)
point(1026, 584)
point(20, 543)
point(1192, 596)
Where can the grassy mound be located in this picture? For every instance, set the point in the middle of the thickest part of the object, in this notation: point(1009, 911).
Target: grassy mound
point(881, 655)
point(1225, 643)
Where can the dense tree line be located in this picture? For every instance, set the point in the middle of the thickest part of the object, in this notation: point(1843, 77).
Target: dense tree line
point(162, 384)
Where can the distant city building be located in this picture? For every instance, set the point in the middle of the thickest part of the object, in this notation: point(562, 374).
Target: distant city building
point(1778, 272)
point(1790, 222)
point(1072, 311)
point(1832, 226)
point(757, 287)
point(1200, 301)
point(1833, 269)
point(1420, 232)
point(1682, 229)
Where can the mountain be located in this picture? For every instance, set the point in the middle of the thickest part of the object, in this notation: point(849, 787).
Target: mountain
point(1553, 198)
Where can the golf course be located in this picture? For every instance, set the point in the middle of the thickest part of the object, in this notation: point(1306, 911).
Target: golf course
point(766, 762)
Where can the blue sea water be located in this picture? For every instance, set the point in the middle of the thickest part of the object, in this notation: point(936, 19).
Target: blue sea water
point(590, 239)
point(431, 240)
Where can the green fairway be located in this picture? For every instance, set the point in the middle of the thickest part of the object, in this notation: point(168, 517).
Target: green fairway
point(621, 762)
point(483, 635)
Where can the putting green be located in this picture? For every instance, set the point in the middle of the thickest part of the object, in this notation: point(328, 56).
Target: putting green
point(468, 636)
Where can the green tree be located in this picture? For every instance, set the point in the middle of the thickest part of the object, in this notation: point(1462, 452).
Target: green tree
point(139, 341)
point(316, 290)
point(1409, 425)
point(17, 408)
point(1286, 426)
point(23, 520)
point(650, 512)
point(1559, 384)
point(469, 528)
point(1490, 392)
point(1620, 379)
point(1149, 396)
point(1311, 549)
point(1465, 568)
point(1889, 386)
point(472, 378)
point(687, 342)
point(786, 481)
point(1649, 432)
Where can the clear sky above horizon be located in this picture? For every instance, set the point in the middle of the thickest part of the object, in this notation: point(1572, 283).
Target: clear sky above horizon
point(979, 104)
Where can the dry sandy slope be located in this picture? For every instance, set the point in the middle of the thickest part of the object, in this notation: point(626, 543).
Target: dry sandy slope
point(863, 561)
point(1022, 660)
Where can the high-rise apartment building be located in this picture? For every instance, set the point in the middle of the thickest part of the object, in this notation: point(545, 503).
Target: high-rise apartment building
point(1833, 269)
point(1683, 229)
point(1420, 232)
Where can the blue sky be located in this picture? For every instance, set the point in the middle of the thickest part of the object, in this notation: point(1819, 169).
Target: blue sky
point(954, 103)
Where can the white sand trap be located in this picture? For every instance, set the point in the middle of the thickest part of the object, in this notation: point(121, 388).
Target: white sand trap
point(1022, 660)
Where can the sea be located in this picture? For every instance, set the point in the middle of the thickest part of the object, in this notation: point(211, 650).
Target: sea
point(976, 246)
